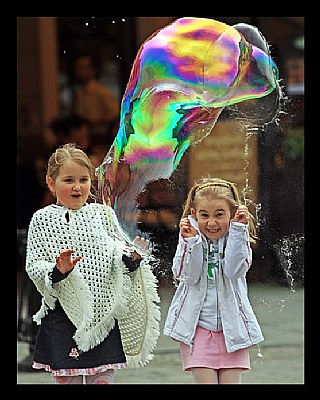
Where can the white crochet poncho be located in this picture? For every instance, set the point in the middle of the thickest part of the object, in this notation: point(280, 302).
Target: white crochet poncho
point(99, 289)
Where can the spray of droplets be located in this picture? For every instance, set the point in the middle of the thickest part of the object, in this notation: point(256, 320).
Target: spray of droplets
point(290, 253)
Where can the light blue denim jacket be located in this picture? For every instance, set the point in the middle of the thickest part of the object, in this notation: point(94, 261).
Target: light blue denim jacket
point(240, 326)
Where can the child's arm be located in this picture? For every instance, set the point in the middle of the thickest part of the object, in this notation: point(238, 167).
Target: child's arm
point(241, 215)
point(238, 253)
point(188, 259)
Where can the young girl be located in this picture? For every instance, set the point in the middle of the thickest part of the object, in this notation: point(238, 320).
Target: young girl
point(99, 310)
point(210, 313)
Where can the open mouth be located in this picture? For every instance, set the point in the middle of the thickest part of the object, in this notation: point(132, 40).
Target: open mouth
point(213, 230)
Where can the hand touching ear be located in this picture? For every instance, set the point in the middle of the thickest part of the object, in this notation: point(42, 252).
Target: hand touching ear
point(186, 229)
point(241, 215)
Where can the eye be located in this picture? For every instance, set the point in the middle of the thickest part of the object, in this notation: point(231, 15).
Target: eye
point(204, 215)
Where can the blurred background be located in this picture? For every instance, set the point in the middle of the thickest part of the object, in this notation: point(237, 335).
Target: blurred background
point(267, 164)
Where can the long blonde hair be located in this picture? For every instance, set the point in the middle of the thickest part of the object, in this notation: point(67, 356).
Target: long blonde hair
point(221, 189)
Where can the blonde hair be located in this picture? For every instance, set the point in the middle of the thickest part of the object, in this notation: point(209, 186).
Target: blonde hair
point(62, 154)
point(222, 189)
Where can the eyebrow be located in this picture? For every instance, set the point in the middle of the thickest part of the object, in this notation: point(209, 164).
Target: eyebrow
point(72, 176)
point(218, 209)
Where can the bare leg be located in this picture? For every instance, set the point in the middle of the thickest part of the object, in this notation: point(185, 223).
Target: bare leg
point(68, 380)
point(230, 375)
point(205, 375)
point(103, 378)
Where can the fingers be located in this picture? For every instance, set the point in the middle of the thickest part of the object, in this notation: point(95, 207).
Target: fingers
point(243, 211)
point(188, 231)
point(142, 244)
point(64, 261)
point(184, 222)
point(242, 214)
point(66, 255)
point(75, 260)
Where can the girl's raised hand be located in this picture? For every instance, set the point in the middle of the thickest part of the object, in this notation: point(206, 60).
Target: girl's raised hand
point(241, 215)
point(65, 263)
point(186, 229)
point(143, 247)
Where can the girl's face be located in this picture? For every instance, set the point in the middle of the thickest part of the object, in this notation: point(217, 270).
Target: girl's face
point(213, 216)
point(72, 186)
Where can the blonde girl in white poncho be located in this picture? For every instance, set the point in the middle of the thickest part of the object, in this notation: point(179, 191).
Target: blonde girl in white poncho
point(99, 295)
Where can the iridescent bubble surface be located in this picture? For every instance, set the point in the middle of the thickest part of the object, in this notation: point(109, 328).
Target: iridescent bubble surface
point(183, 76)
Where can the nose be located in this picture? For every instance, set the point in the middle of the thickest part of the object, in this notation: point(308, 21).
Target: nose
point(76, 187)
point(212, 221)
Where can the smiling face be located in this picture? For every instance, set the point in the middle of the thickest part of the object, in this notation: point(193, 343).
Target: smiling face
point(213, 216)
point(72, 185)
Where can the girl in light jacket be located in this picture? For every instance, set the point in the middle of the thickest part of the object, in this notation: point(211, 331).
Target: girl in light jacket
point(210, 313)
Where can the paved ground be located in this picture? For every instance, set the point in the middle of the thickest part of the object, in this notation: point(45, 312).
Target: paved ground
point(280, 312)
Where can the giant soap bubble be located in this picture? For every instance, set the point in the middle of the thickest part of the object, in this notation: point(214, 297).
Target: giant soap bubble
point(182, 78)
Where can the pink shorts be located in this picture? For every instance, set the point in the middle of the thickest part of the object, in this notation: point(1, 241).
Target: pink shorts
point(209, 351)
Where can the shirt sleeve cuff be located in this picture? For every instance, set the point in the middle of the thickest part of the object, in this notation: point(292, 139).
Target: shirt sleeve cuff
point(58, 276)
point(238, 226)
point(191, 241)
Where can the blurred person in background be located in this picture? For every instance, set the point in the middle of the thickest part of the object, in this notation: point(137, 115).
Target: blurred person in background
point(72, 129)
point(94, 101)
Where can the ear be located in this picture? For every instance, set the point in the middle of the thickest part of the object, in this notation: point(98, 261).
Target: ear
point(50, 183)
point(193, 212)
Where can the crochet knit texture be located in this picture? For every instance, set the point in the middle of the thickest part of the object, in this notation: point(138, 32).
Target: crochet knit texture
point(99, 289)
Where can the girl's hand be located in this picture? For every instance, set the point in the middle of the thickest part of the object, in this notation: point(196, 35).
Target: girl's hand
point(186, 229)
point(143, 246)
point(241, 215)
point(64, 262)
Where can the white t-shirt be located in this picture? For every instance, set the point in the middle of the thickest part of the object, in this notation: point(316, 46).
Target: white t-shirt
point(210, 314)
